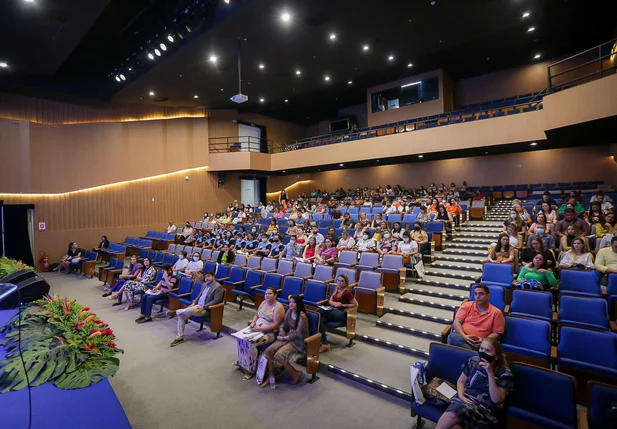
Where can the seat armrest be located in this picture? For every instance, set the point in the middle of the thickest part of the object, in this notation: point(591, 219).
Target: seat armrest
point(555, 317)
point(376, 266)
point(183, 295)
point(240, 266)
point(322, 302)
point(506, 309)
point(613, 326)
point(312, 353)
point(582, 420)
point(119, 271)
point(216, 317)
point(238, 283)
point(353, 264)
point(381, 292)
point(278, 292)
point(352, 285)
point(256, 287)
point(328, 281)
point(173, 290)
point(553, 352)
point(270, 271)
point(444, 334)
point(223, 279)
point(307, 278)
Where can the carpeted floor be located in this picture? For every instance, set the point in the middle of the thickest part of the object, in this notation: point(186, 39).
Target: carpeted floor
point(195, 385)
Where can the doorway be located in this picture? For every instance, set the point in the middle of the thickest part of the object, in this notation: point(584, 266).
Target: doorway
point(249, 137)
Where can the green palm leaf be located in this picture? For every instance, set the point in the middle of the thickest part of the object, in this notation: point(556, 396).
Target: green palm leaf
point(91, 371)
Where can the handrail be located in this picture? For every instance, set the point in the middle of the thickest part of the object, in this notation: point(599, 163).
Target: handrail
point(583, 52)
point(242, 144)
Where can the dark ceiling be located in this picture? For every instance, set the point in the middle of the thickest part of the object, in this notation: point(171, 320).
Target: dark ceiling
point(66, 50)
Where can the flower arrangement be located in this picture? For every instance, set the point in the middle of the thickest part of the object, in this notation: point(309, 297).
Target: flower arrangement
point(10, 266)
point(62, 342)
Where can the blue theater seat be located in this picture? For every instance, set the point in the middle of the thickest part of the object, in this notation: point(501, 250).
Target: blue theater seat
point(291, 286)
point(244, 289)
point(236, 277)
point(582, 312)
point(527, 340)
point(269, 280)
point(497, 274)
point(581, 283)
point(602, 406)
point(534, 304)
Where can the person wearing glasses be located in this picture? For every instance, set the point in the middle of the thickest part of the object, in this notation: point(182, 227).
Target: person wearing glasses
point(341, 299)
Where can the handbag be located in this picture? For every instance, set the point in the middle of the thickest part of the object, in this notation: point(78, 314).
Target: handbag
point(198, 276)
point(432, 396)
point(262, 365)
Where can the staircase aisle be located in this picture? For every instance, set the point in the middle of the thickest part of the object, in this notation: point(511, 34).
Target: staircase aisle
point(387, 345)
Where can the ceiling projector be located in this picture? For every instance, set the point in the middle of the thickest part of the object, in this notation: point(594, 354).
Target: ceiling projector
point(239, 98)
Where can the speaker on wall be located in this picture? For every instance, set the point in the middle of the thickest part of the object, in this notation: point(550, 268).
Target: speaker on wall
point(30, 288)
point(222, 178)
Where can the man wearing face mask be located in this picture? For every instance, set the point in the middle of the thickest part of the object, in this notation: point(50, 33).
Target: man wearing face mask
point(277, 247)
point(263, 248)
point(477, 320)
point(292, 249)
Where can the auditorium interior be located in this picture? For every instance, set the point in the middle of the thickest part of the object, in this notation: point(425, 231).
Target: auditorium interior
point(363, 197)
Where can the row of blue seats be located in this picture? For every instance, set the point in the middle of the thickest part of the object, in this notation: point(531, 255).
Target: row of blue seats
point(541, 397)
point(498, 101)
point(154, 235)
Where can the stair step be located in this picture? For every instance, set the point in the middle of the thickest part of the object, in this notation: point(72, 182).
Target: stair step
point(429, 301)
point(449, 265)
point(448, 283)
point(393, 340)
point(466, 240)
point(438, 292)
point(467, 252)
point(459, 259)
point(477, 235)
point(481, 224)
point(459, 245)
point(394, 305)
point(453, 273)
point(407, 325)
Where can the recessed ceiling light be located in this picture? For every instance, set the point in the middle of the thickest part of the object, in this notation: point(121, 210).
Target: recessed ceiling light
point(3, 65)
point(420, 156)
point(332, 36)
point(213, 58)
point(285, 17)
point(391, 57)
point(261, 100)
point(409, 65)
point(349, 82)
point(286, 101)
point(122, 77)
point(298, 72)
point(537, 56)
point(526, 14)
point(365, 48)
point(195, 96)
point(261, 66)
point(118, 78)
point(433, 3)
point(157, 52)
point(29, 1)
point(188, 28)
point(163, 47)
point(130, 69)
point(227, 1)
point(326, 78)
point(284, 171)
point(170, 38)
point(151, 56)
point(340, 165)
point(534, 144)
point(152, 93)
point(530, 29)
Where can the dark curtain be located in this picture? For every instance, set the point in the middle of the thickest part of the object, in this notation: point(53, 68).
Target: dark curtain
point(263, 186)
point(16, 234)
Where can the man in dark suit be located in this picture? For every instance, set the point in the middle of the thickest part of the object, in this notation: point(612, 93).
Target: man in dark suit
point(211, 293)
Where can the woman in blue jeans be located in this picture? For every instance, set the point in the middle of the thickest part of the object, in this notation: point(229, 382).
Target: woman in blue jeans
point(149, 299)
point(341, 299)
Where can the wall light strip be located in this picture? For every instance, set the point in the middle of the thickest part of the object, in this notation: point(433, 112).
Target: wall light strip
point(410, 84)
point(293, 185)
point(110, 185)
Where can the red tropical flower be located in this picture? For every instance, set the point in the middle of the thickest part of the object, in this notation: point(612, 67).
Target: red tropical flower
point(108, 332)
point(112, 345)
point(85, 309)
point(92, 331)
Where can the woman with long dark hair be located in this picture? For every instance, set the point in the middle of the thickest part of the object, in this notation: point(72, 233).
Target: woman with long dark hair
point(502, 252)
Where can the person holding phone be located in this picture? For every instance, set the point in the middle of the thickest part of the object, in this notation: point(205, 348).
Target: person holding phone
point(482, 388)
point(476, 321)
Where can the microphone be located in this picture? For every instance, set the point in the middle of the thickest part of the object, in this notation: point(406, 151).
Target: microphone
point(6, 290)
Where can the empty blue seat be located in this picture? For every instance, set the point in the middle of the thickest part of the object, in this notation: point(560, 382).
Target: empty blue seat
point(291, 286)
point(527, 340)
point(601, 402)
point(236, 276)
point(497, 274)
point(368, 261)
point(187, 300)
point(244, 289)
point(542, 397)
point(581, 283)
point(370, 292)
point(584, 312)
point(535, 304)
point(269, 280)
point(347, 258)
point(583, 351)
point(303, 270)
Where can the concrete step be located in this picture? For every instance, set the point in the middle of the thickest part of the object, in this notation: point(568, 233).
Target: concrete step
point(449, 274)
point(482, 224)
point(466, 252)
point(459, 259)
point(448, 283)
point(410, 326)
point(439, 292)
point(430, 301)
point(394, 305)
point(464, 246)
point(466, 266)
point(465, 240)
point(477, 235)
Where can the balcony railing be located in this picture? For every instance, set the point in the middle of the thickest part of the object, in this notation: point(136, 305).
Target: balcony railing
point(243, 144)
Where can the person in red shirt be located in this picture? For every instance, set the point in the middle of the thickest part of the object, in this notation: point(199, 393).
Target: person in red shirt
point(341, 299)
point(477, 320)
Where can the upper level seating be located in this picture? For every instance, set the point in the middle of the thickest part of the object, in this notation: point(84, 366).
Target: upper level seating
point(479, 111)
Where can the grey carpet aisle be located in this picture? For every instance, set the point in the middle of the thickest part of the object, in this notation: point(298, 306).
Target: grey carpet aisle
point(194, 384)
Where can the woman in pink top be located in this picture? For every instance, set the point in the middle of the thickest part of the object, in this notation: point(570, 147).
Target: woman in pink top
point(326, 253)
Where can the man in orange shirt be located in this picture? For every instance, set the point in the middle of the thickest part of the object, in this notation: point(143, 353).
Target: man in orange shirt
point(477, 320)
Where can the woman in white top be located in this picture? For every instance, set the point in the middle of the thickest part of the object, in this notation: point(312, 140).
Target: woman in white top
point(578, 257)
point(195, 265)
point(180, 264)
point(346, 242)
point(408, 248)
point(366, 243)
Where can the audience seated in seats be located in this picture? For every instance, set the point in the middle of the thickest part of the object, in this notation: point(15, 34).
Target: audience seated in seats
point(341, 298)
point(455, 211)
point(551, 215)
point(272, 227)
point(606, 262)
point(158, 293)
point(581, 227)
point(514, 238)
point(365, 243)
point(336, 213)
point(546, 198)
point(535, 275)
point(536, 246)
point(135, 269)
point(358, 231)
point(138, 285)
point(181, 263)
point(502, 252)
point(267, 320)
point(418, 235)
point(482, 389)
point(423, 216)
point(171, 228)
point(541, 225)
point(196, 265)
point(410, 250)
point(595, 214)
point(263, 248)
point(292, 249)
point(364, 221)
point(227, 256)
point(191, 238)
point(389, 208)
point(606, 225)
point(277, 247)
point(379, 230)
point(292, 229)
point(476, 321)
point(444, 216)
point(319, 238)
point(326, 253)
point(310, 250)
point(523, 214)
point(104, 244)
point(377, 219)
point(186, 232)
point(346, 242)
point(479, 195)
point(71, 260)
point(331, 233)
point(515, 220)
point(573, 204)
point(211, 293)
point(289, 345)
point(348, 222)
point(239, 217)
point(278, 214)
point(387, 244)
point(565, 243)
point(578, 257)
point(603, 200)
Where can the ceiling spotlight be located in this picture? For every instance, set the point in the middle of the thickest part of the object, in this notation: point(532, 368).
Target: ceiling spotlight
point(170, 38)
point(409, 65)
point(349, 82)
point(261, 100)
point(537, 56)
point(3, 65)
point(188, 29)
point(286, 17)
point(530, 29)
point(122, 77)
point(365, 48)
point(195, 96)
point(151, 56)
point(298, 72)
point(433, 3)
point(130, 69)
point(227, 1)
point(118, 78)
point(286, 101)
point(157, 52)
point(213, 58)
point(29, 1)
point(526, 15)
point(332, 36)
point(152, 93)
point(420, 156)
point(340, 165)
point(534, 144)
point(163, 47)
point(327, 78)
point(261, 66)
point(391, 57)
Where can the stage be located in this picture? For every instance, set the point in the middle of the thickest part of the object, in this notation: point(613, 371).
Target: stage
point(94, 407)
